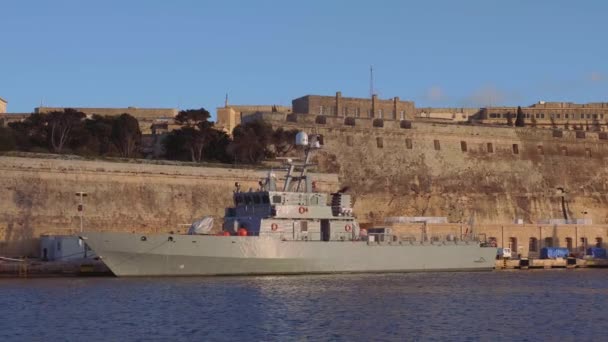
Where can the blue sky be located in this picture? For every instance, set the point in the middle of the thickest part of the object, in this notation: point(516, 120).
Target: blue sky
point(189, 54)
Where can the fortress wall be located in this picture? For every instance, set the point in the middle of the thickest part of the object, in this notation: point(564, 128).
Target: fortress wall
point(38, 197)
point(517, 178)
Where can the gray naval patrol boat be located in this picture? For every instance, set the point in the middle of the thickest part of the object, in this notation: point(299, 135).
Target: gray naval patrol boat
point(286, 228)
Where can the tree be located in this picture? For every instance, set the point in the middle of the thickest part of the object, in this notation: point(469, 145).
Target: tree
point(192, 117)
point(60, 125)
point(126, 135)
point(553, 123)
point(8, 141)
point(99, 129)
point(283, 141)
point(31, 132)
point(251, 142)
point(520, 118)
point(194, 136)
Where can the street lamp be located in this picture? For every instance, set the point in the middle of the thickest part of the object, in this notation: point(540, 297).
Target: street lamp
point(82, 195)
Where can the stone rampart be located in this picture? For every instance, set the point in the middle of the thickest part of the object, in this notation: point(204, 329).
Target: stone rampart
point(464, 172)
point(38, 197)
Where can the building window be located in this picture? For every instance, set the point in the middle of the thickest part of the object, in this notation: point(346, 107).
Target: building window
point(490, 148)
point(402, 115)
point(437, 145)
point(564, 151)
point(533, 245)
point(379, 142)
point(559, 116)
point(569, 243)
point(549, 242)
point(408, 143)
point(380, 113)
point(515, 149)
point(588, 116)
point(349, 140)
point(566, 115)
point(463, 146)
point(540, 150)
point(583, 243)
point(513, 244)
point(320, 110)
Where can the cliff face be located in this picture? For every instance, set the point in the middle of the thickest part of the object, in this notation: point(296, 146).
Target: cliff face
point(38, 197)
point(485, 174)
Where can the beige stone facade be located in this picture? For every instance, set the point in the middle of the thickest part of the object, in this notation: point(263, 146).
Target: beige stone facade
point(230, 116)
point(3, 104)
point(447, 114)
point(393, 109)
point(524, 240)
point(562, 115)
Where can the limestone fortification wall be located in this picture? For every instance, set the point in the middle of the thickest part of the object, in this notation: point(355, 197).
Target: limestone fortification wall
point(467, 173)
point(38, 197)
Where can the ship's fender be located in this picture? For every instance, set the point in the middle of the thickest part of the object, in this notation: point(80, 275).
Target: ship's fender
point(348, 228)
point(274, 227)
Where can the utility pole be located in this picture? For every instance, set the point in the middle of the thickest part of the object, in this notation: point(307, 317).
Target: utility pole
point(371, 81)
point(82, 195)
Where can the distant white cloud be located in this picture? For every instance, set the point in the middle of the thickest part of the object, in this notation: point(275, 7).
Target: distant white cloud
point(596, 76)
point(436, 94)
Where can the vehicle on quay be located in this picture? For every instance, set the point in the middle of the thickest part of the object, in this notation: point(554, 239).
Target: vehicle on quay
point(286, 227)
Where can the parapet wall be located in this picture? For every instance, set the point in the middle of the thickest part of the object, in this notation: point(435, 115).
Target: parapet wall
point(38, 197)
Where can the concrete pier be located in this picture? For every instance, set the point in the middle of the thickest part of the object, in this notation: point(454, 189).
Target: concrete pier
point(523, 264)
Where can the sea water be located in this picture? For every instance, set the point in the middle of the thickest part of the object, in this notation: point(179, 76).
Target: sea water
point(530, 305)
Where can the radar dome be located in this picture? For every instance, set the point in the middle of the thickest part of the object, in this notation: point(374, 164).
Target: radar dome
point(302, 139)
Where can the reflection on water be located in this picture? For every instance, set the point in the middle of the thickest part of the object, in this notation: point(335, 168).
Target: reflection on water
point(520, 305)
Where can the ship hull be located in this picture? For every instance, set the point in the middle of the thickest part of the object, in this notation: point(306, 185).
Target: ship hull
point(129, 254)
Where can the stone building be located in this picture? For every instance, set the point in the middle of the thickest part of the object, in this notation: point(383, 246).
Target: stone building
point(393, 109)
point(230, 116)
point(563, 115)
point(447, 114)
point(3, 103)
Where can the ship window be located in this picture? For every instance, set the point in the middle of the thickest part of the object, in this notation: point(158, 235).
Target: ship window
point(276, 199)
point(303, 226)
point(265, 199)
point(256, 199)
point(247, 199)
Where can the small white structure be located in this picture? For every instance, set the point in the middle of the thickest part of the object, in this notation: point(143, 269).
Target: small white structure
point(63, 248)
